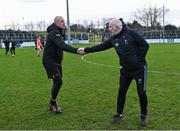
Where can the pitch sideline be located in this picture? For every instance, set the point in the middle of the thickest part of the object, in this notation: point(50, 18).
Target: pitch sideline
point(110, 66)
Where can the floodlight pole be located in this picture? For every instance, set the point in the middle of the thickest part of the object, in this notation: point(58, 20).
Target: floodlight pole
point(68, 22)
point(163, 26)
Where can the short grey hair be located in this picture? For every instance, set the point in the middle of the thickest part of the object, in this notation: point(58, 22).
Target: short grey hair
point(115, 22)
point(58, 18)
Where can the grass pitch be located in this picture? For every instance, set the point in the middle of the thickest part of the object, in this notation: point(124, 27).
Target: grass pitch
point(89, 91)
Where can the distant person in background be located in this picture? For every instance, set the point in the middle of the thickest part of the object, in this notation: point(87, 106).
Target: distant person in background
point(6, 43)
point(38, 46)
point(42, 43)
point(35, 44)
point(107, 33)
point(13, 46)
point(1, 43)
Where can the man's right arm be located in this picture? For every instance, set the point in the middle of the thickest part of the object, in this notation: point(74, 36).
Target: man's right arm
point(103, 46)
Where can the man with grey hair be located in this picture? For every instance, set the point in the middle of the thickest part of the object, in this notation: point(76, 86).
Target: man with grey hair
point(131, 49)
point(53, 57)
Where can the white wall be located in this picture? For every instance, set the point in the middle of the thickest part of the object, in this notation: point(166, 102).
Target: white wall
point(177, 40)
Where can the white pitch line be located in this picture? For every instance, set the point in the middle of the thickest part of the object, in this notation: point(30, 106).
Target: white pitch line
point(111, 66)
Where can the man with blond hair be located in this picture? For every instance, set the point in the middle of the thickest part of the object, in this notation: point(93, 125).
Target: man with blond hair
point(131, 49)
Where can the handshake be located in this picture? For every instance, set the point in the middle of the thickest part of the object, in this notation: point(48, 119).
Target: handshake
point(81, 51)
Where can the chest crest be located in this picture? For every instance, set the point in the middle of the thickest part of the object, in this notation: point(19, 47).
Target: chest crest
point(126, 42)
point(116, 44)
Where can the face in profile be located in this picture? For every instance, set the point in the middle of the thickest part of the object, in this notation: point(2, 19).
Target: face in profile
point(59, 21)
point(61, 24)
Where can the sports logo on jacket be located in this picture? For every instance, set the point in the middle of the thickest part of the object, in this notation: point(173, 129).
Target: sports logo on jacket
point(116, 44)
point(126, 42)
point(139, 80)
point(58, 35)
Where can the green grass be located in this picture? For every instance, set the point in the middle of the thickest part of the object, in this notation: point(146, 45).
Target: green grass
point(89, 92)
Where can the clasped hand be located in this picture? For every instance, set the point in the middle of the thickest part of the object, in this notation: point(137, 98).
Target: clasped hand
point(80, 51)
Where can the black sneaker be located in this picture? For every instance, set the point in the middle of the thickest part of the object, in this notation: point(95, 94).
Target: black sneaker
point(117, 118)
point(54, 108)
point(143, 120)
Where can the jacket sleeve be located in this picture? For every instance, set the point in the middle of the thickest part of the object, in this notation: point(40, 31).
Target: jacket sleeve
point(141, 43)
point(103, 46)
point(57, 38)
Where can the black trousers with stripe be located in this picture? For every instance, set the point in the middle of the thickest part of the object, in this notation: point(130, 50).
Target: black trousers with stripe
point(126, 77)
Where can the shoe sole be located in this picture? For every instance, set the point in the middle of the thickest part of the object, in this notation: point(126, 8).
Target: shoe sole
point(118, 121)
point(57, 112)
point(143, 124)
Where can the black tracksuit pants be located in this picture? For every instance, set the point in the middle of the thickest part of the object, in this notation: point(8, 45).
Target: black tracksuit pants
point(7, 49)
point(140, 76)
point(12, 50)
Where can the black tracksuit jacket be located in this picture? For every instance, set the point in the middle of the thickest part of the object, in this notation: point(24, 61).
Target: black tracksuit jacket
point(130, 47)
point(55, 45)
